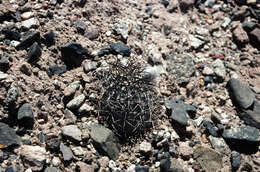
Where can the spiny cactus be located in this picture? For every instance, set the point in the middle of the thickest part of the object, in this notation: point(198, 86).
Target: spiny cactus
point(128, 100)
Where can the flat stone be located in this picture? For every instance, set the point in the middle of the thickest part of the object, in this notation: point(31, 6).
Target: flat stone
point(210, 128)
point(33, 157)
point(49, 38)
point(8, 136)
point(72, 132)
point(242, 134)
point(25, 116)
point(66, 152)
point(73, 54)
point(30, 23)
point(241, 94)
point(78, 151)
point(105, 141)
point(92, 33)
point(76, 102)
point(57, 70)
point(85, 108)
point(185, 150)
point(209, 159)
point(83, 167)
point(219, 145)
point(3, 76)
point(34, 53)
point(255, 37)
point(27, 15)
point(219, 69)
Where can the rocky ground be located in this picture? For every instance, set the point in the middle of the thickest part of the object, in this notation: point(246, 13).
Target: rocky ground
point(203, 56)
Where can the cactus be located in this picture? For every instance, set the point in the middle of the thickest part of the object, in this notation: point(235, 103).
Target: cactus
point(128, 101)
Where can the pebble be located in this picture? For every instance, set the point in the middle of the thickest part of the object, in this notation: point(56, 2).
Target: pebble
point(33, 157)
point(76, 102)
point(30, 23)
point(226, 22)
point(66, 152)
point(28, 39)
point(219, 145)
point(34, 53)
point(72, 132)
point(8, 136)
point(240, 35)
point(219, 69)
point(78, 151)
point(210, 128)
point(27, 15)
point(145, 147)
point(195, 42)
point(89, 66)
point(235, 160)
point(121, 49)
point(52, 169)
point(49, 38)
point(3, 76)
point(13, 93)
point(56, 161)
point(25, 116)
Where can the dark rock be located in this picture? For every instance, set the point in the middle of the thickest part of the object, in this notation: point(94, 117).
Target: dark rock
point(209, 159)
point(104, 51)
point(66, 152)
point(25, 116)
point(185, 5)
point(8, 136)
point(178, 110)
point(105, 141)
point(255, 37)
point(34, 53)
point(52, 169)
point(49, 38)
point(82, 3)
point(12, 168)
point(210, 128)
point(12, 35)
point(118, 48)
point(241, 94)
point(251, 117)
point(4, 62)
point(235, 160)
point(165, 165)
point(53, 143)
point(80, 26)
point(181, 67)
point(165, 3)
point(28, 39)
point(248, 26)
point(56, 70)
point(142, 169)
point(73, 54)
point(89, 66)
point(242, 138)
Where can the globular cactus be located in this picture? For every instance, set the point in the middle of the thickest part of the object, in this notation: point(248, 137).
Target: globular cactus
point(128, 101)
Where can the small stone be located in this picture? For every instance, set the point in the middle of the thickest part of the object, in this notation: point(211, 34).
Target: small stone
point(219, 69)
point(185, 5)
point(56, 161)
point(202, 31)
point(33, 157)
point(80, 26)
point(255, 37)
point(4, 62)
point(89, 66)
point(52, 143)
point(196, 43)
point(57, 70)
point(26, 68)
point(210, 3)
point(30, 23)
point(34, 53)
point(176, 166)
point(3, 76)
point(28, 39)
point(118, 48)
point(13, 168)
point(103, 162)
point(240, 35)
point(49, 38)
point(92, 33)
point(85, 108)
point(76, 102)
point(145, 147)
point(78, 151)
point(27, 15)
point(66, 152)
point(219, 145)
point(252, 117)
point(165, 165)
point(210, 128)
point(226, 22)
point(25, 116)
point(241, 94)
point(12, 93)
point(72, 132)
point(209, 159)
point(207, 71)
point(52, 169)
point(11, 34)
point(73, 54)
point(248, 26)
point(235, 160)
point(198, 121)
point(105, 141)
point(8, 136)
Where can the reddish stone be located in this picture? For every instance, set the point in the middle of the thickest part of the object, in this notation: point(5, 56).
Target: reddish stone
point(240, 35)
point(83, 167)
point(255, 35)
